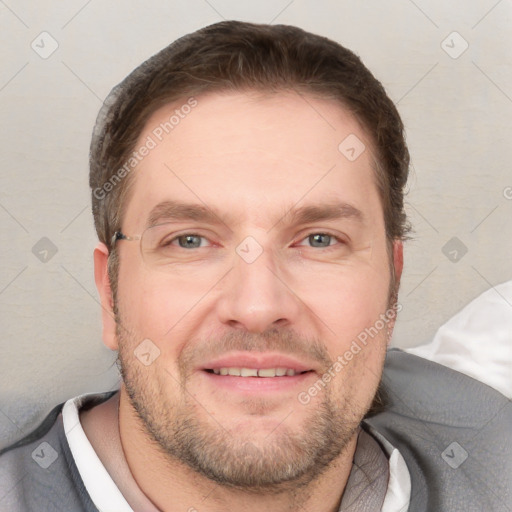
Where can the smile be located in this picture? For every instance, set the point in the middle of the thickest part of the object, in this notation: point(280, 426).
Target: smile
point(255, 372)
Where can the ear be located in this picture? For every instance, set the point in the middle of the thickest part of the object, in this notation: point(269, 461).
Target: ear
point(398, 260)
point(398, 264)
point(107, 302)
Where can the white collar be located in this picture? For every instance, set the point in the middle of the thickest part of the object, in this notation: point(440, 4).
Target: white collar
point(99, 484)
point(108, 498)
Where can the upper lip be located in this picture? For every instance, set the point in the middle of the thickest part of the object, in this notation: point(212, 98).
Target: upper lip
point(261, 360)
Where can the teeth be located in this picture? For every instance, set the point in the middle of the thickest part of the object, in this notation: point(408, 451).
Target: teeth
point(248, 372)
point(254, 372)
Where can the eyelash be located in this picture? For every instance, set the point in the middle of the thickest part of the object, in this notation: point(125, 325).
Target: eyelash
point(329, 247)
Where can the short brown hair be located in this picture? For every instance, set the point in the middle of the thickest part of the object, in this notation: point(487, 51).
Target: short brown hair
point(238, 56)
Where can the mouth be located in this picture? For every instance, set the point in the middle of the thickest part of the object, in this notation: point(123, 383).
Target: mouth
point(250, 372)
point(256, 372)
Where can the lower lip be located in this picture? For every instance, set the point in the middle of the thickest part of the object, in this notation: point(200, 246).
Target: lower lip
point(258, 384)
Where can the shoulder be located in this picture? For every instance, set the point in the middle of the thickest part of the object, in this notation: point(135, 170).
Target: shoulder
point(30, 467)
point(440, 419)
point(38, 471)
point(437, 393)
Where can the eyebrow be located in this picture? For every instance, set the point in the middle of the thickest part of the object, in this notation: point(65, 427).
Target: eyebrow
point(178, 211)
point(328, 211)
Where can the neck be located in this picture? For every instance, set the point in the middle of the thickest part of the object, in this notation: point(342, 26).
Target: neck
point(171, 485)
point(101, 426)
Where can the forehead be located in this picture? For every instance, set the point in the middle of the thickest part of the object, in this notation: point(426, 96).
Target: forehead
point(254, 156)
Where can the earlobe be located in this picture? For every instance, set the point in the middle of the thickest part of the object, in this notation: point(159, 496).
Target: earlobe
point(107, 303)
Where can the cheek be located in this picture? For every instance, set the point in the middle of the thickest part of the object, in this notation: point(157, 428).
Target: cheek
point(152, 303)
point(358, 369)
point(164, 310)
point(347, 300)
point(350, 306)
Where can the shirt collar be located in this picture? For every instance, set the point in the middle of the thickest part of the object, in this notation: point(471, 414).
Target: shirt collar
point(107, 498)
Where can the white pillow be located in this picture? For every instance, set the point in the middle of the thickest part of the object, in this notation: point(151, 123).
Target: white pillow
point(477, 341)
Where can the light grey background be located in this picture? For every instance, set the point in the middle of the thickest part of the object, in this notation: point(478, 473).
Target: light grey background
point(457, 112)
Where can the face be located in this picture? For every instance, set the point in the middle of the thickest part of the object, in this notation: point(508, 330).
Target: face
point(271, 262)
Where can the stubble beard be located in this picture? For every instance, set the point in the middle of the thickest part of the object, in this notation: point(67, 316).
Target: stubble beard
point(287, 460)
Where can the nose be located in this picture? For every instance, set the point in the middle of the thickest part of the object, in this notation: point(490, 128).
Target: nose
point(256, 296)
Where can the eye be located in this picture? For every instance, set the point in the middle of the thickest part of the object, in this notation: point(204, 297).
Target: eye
point(188, 241)
point(195, 241)
point(321, 240)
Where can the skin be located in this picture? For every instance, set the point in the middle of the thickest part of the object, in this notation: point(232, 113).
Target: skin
point(250, 157)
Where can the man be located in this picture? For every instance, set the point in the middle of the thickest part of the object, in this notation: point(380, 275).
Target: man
point(247, 187)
